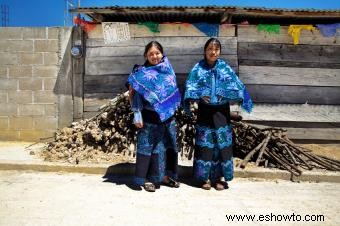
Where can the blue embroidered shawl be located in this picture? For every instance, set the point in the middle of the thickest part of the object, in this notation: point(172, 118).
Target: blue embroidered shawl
point(157, 84)
point(220, 83)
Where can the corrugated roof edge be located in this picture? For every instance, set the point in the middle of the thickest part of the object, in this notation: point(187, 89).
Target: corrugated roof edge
point(206, 7)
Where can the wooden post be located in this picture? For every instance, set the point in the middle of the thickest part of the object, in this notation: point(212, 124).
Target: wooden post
point(78, 65)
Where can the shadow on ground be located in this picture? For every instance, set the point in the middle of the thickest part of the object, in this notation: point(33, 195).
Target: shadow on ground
point(123, 174)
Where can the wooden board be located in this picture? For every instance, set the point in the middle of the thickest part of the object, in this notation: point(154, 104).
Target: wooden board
point(166, 30)
point(100, 96)
point(123, 65)
point(266, 52)
point(289, 76)
point(249, 33)
point(316, 134)
point(293, 64)
point(294, 94)
point(171, 45)
point(293, 113)
point(77, 78)
point(91, 104)
point(114, 83)
point(105, 84)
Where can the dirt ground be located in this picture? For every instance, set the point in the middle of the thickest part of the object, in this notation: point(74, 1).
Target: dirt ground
point(92, 157)
point(331, 151)
point(37, 150)
point(328, 150)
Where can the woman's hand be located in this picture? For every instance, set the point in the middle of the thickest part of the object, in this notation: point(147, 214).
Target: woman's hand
point(139, 125)
point(131, 93)
point(206, 99)
point(235, 116)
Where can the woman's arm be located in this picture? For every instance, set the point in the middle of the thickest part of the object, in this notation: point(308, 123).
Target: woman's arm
point(136, 106)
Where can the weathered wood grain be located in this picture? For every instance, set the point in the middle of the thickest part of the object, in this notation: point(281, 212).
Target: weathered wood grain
point(105, 84)
point(292, 64)
point(289, 76)
point(312, 134)
point(289, 53)
point(171, 45)
point(293, 113)
point(294, 94)
point(78, 78)
point(115, 83)
point(123, 65)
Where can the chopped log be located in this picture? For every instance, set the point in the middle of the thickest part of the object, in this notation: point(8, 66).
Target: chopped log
point(263, 148)
point(291, 168)
point(251, 153)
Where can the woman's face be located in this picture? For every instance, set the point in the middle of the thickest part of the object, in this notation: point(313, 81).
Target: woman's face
point(212, 52)
point(154, 56)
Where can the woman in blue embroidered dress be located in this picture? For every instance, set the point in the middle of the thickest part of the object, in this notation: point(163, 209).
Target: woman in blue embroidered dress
point(214, 85)
point(154, 98)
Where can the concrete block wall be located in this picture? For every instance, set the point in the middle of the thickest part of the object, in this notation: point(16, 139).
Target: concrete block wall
point(29, 65)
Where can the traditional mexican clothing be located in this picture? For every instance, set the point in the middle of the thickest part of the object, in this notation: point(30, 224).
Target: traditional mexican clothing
point(155, 101)
point(213, 147)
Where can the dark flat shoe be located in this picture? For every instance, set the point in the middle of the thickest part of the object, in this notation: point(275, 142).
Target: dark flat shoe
point(150, 187)
point(219, 186)
point(172, 183)
point(206, 186)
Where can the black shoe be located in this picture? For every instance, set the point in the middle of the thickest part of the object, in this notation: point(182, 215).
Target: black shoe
point(150, 187)
point(206, 185)
point(219, 186)
point(171, 183)
point(222, 183)
point(134, 186)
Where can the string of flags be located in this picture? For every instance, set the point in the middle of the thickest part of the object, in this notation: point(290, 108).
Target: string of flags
point(269, 28)
point(86, 25)
point(329, 30)
point(210, 30)
point(294, 31)
point(326, 30)
point(117, 31)
point(152, 26)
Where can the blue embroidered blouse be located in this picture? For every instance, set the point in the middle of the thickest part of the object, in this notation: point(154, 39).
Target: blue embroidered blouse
point(220, 83)
point(157, 85)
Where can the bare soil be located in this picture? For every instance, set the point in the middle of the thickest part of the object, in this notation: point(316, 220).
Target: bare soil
point(331, 151)
point(328, 150)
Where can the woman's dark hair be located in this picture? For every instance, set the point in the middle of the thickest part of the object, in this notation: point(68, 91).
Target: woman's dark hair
point(212, 40)
point(153, 43)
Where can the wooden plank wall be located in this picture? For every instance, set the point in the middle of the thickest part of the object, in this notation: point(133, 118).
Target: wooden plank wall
point(293, 86)
point(107, 66)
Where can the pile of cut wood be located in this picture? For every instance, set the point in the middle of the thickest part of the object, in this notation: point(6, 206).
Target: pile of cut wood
point(270, 147)
point(112, 131)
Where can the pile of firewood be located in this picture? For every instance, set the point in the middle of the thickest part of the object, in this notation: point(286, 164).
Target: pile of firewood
point(112, 131)
point(270, 147)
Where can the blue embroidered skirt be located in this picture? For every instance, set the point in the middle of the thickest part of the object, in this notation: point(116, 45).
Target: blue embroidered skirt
point(213, 157)
point(157, 153)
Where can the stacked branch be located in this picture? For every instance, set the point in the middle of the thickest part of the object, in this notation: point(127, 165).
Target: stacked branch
point(270, 147)
point(111, 131)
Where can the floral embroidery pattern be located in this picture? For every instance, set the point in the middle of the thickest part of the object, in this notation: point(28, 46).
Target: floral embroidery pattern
point(228, 85)
point(157, 84)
